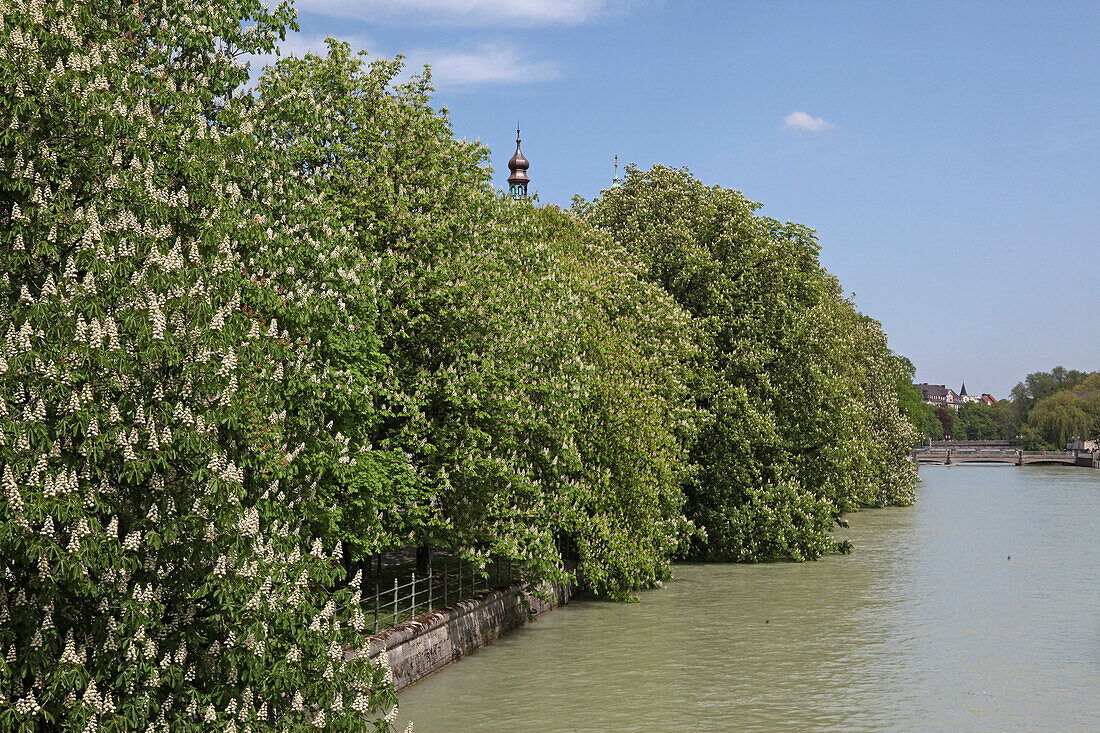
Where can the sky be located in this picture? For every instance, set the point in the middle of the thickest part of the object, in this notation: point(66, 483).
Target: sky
point(946, 153)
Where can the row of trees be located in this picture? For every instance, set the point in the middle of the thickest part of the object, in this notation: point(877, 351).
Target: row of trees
point(1057, 407)
point(795, 391)
point(251, 337)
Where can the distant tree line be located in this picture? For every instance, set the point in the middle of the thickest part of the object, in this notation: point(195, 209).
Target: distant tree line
point(1045, 411)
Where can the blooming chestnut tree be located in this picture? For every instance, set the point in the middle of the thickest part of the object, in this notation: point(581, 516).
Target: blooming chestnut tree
point(164, 386)
point(556, 407)
point(534, 382)
point(799, 418)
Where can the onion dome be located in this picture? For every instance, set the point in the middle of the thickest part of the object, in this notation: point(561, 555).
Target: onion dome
point(518, 165)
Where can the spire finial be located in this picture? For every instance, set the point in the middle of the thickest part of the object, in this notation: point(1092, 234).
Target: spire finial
point(615, 182)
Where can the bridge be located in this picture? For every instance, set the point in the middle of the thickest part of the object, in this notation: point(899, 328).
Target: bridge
point(998, 454)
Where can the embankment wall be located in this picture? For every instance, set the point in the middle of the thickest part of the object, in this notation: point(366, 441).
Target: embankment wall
point(434, 639)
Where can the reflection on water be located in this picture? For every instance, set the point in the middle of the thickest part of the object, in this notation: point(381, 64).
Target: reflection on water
point(977, 609)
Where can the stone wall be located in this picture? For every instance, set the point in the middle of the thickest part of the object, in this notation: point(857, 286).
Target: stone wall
point(434, 639)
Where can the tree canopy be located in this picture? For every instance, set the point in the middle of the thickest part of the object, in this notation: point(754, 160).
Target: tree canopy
point(797, 392)
point(164, 387)
point(251, 337)
point(1056, 407)
point(532, 381)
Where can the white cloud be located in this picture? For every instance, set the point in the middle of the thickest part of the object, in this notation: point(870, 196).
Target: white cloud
point(801, 121)
point(487, 64)
point(462, 12)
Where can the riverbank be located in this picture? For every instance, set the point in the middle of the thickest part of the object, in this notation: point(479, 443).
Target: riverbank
point(429, 642)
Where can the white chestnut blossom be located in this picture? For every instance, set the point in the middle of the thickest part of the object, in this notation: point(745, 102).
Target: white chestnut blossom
point(134, 182)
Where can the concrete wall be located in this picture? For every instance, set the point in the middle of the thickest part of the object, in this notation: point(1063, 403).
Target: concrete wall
point(434, 639)
point(1088, 460)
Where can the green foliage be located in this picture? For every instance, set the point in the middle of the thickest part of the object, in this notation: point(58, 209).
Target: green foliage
point(164, 387)
point(321, 114)
point(979, 421)
point(1091, 383)
point(798, 396)
point(1057, 418)
point(911, 405)
point(533, 382)
point(1061, 418)
point(560, 411)
point(1038, 385)
point(927, 424)
point(250, 339)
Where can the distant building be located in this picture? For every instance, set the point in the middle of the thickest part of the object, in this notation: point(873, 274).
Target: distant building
point(965, 398)
point(939, 395)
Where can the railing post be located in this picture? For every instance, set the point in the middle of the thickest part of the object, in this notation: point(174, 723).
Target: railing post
point(377, 592)
point(431, 580)
point(444, 582)
point(393, 618)
point(412, 599)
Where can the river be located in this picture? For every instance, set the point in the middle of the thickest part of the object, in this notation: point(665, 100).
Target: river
point(976, 609)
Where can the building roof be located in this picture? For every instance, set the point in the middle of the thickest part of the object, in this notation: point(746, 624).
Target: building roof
point(518, 165)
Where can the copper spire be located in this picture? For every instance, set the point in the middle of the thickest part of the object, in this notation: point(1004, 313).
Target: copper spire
point(518, 165)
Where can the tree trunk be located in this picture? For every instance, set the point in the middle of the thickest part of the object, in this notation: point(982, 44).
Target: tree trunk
point(423, 557)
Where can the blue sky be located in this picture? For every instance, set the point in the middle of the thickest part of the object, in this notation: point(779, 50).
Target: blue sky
point(947, 153)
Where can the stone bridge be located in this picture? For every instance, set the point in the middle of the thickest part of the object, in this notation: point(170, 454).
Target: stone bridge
point(987, 454)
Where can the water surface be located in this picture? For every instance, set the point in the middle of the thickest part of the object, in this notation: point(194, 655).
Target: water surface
point(977, 609)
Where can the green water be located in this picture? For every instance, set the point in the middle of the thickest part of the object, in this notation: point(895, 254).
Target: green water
point(927, 626)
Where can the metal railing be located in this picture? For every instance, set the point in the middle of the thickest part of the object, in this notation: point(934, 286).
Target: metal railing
point(448, 581)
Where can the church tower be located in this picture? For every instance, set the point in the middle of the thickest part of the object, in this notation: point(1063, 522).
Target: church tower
point(517, 182)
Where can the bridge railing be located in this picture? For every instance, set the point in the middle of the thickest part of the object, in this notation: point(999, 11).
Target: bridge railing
point(992, 450)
